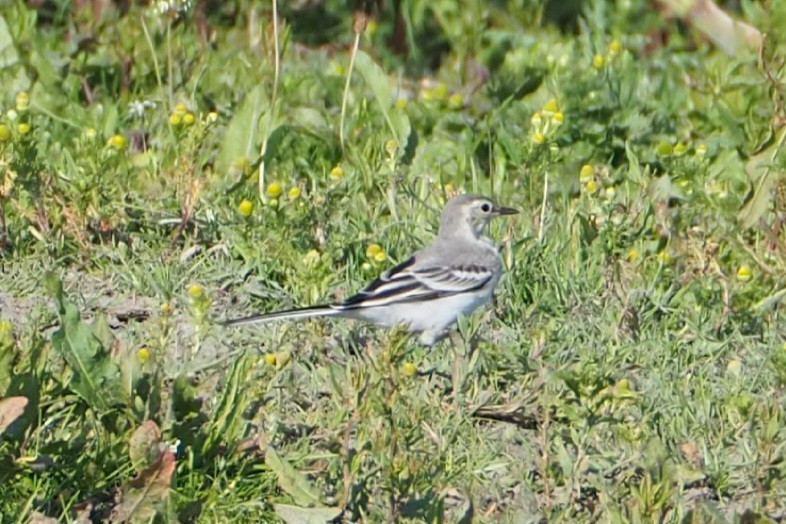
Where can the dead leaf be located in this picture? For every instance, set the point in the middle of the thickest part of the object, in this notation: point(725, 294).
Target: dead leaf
point(40, 518)
point(143, 444)
point(11, 408)
point(298, 515)
point(143, 495)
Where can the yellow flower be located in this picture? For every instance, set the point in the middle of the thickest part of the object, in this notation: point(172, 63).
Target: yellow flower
point(294, 192)
point(598, 61)
point(90, 133)
point(117, 141)
point(680, 148)
point(744, 273)
point(401, 103)
point(380, 257)
point(734, 366)
point(311, 257)
point(282, 358)
point(664, 257)
point(536, 119)
point(166, 307)
point(586, 172)
point(196, 291)
point(22, 101)
point(551, 106)
point(212, 116)
point(701, 149)
point(633, 254)
point(23, 128)
point(610, 192)
point(409, 369)
point(538, 138)
point(441, 91)
point(270, 359)
point(663, 149)
point(274, 190)
point(189, 119)
point(558, 117)
point(246, 207)
point(391, 146)
point(143, 354)
point(175, 119)
point(373, 250)
point(591, 186)
point(456, 101)
point(337, 173)
point(5, 133)
point(615, 46)
point(241, 164)
point(180, 109)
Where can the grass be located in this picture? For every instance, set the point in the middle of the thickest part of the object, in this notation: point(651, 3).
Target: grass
point(631, 368)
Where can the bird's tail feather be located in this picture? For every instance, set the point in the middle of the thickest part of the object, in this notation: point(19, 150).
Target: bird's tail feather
point(290, 314)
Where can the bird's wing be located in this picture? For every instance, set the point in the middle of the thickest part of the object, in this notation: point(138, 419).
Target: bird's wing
point(405, 283)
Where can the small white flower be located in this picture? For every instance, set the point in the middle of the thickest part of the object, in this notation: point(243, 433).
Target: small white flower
point(173, 447)
point(136, 108)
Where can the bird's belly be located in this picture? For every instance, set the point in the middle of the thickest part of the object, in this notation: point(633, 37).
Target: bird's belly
point(431, 315)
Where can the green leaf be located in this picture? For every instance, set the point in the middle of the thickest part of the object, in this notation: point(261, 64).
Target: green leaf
point(6, 353)
point(377, 80)
point(242, 134)
point(759, 169)
point(298, 515)
point(226, 423)
point(291, 480)
point(95, 378)
point(8, 54)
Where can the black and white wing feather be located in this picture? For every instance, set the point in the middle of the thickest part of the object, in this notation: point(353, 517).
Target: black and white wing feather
point(404, 283)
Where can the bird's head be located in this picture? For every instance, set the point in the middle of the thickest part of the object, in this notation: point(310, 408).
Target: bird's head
point(471, 214)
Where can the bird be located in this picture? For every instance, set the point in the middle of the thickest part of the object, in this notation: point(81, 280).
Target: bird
point(426, 293)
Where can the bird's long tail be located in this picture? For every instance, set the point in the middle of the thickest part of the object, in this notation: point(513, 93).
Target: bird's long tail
point(291, 314)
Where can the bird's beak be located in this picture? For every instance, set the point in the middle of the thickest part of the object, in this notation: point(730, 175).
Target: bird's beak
point(506, 211)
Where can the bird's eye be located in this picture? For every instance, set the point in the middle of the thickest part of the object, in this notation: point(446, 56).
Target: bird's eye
point(486, 207)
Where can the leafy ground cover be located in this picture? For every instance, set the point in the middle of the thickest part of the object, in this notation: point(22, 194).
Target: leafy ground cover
point(169, 165)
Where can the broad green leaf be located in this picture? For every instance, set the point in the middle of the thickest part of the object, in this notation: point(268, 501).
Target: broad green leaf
point(8, 54)
point(297, 515)
point(11, 408)
point(378, 82)
point(763, 174)
point(310, 119)
point(6, 353)
point(110, 120)
point(242, 134)
point(226, 422)
point(95, 377)
point(291, 480)
point(376, 79)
